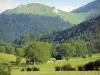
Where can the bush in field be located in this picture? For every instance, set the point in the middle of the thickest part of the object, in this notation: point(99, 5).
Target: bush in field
point(36, 69)
point(18, 60)
point(97, 64)
point(80, 68)
point(29, 69)
point(92, 65)
point(57, 68)
point(22, 69)
point(89, 66)
point(67, 67)
point(84, 56)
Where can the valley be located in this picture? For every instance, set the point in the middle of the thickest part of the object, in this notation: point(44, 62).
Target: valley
point(38, 39)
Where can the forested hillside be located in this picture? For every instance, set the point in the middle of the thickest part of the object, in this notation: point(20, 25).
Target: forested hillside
point(88, 31)
point(37, 19)
point(13, 26)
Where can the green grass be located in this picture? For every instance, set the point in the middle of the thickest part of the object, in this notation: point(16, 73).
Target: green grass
point(6, 58)
point(58, 73)
point(73, 61)
point(48, 68)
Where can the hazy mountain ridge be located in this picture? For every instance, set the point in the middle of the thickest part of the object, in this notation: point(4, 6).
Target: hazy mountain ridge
point(88, 7)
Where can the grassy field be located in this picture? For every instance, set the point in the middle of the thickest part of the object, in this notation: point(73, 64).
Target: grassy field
point(6, 58)
point(48, 68)
point(58, 73)
point(74, 62)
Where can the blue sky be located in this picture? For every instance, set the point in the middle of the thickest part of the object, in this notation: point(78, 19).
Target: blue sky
point(66, 5)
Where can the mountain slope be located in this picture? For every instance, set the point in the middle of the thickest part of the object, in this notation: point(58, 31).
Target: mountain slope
point(87, 31)
point(12, 26)
point(33, 8)
point(45, 10)
point(38, 19)
point(90, 6)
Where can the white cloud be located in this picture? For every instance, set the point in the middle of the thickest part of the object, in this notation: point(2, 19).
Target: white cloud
point(5, 4)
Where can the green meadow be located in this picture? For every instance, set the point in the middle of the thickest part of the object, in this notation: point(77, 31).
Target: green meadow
point(48, 68)
point(58, 73)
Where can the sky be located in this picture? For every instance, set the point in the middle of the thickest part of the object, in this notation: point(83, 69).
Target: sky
point(65, 5)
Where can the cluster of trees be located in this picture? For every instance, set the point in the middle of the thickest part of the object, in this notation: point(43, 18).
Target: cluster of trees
point(38, 52)
point(13, 26)
point(70, 49)
point(6, 48)
point(27, 39)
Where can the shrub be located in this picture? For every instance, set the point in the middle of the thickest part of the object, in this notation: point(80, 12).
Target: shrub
point(67, 58)
point(18, 60)
point(84, 56)
point(29, 69)
point(93, 65)
point(90, 55)
point(36, 69)
point(97, 65)
point(67, 67)
point(80, 68)
point(57, 68)
point(22, 69)
point(89, 66)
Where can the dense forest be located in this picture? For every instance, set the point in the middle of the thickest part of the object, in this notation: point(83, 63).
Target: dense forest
point(88, 31)
point(14, 26)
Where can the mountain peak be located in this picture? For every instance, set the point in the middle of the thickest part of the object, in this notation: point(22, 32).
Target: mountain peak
point(32, 8)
